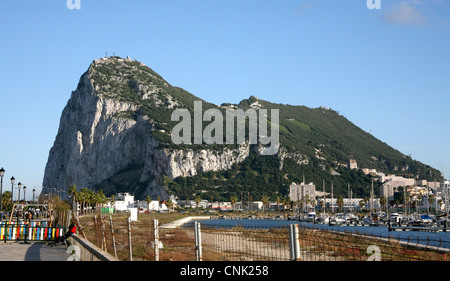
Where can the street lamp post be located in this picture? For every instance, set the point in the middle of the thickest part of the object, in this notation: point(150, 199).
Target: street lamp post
point(2, 173)
point(34, 191)
point(24, 198)
point(13, 180)
point(19, 186)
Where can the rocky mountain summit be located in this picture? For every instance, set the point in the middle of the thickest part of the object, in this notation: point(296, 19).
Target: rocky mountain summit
point(114, 135)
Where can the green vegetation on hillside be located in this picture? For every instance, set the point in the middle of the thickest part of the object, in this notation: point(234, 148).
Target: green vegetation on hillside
point(260, 175)
point(321, 136)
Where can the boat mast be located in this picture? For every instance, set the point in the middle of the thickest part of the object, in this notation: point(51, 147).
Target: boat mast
point(303, 194)
point(324, 204)
point(348, 193)
point(332, 205)
point(298, 200)
point(371, 198)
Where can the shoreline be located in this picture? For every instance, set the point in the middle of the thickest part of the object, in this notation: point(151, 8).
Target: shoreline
point(180, 222)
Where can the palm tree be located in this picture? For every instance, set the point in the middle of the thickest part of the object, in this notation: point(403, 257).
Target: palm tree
point(313, 203)
point(233, 200)
point(278, 200)
point(83, 196)
point(340, 202)
point(366, 200)
point(383, 201)
point(291, 203)
point(307, 201)
point(431, 198)
point(72, 192)
point(265, 200)
point(408, 199)
point(112, 198)
point(197, 200)
point(91, 199)
point(362, 203)
point(148, 199)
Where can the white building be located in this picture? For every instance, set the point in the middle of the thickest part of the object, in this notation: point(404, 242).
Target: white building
point(123, 202)
point(396, 181)
point(252, 205)
point(156, 206)
point(299, 191)
point(255, 205)
point(350, 204)
point(192, 204)
point(223, 206)
point(387, 190)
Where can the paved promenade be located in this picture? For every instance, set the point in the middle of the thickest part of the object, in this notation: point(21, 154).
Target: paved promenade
point(17, 251)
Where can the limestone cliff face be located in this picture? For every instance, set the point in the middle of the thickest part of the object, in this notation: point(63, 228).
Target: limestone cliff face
point(100, 146)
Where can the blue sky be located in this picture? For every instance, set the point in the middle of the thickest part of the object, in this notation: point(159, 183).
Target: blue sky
point(386, 70)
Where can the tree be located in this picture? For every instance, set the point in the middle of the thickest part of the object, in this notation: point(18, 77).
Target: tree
point(233, 200)
point(431, 199)
point(278, 200)
point(72, 192)
point(340, 202)
point(148, 199)
point(362, 203)
point(383, 201)
point(198, 200)
point(169, 204)
point(6, 200)
point(366, 200)
point(322, 204)
point(265, 200)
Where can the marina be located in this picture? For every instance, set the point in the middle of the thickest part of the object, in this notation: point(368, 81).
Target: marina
point(434, 234)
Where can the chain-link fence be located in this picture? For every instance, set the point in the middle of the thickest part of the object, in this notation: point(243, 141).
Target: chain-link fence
point(238, 243)
point(136, 240)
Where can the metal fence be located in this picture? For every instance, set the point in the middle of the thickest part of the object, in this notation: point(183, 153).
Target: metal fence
point(236, 243)
point(136, 240)
point(299, 243)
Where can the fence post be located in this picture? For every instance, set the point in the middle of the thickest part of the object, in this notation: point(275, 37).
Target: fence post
point(27, 229)
point(156, 236)
point(95, 228)
point(198, 241)
point(112, 234)
point(129, 238)
point(103, 234)
point(294, 245)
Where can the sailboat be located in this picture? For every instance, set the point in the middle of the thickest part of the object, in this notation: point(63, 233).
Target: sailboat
point(324, 217)
point(335, 219)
